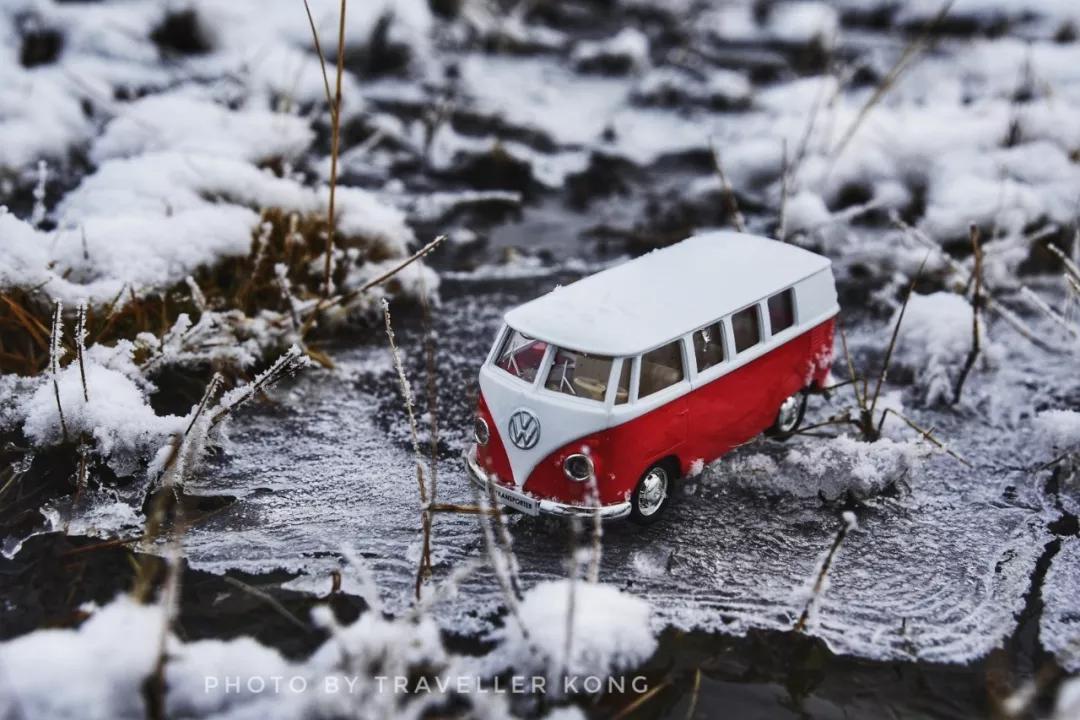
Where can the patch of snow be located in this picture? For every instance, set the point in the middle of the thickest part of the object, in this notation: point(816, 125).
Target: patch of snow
point(117, 416)
point(611, 629)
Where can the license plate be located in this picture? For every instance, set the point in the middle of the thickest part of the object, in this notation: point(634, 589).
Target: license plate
point(516, 501)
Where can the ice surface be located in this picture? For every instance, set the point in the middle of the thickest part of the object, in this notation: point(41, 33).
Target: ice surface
point(937, 570)
point(1059, 629)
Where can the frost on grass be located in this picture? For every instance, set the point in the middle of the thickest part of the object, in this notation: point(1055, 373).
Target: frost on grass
point(125, 430)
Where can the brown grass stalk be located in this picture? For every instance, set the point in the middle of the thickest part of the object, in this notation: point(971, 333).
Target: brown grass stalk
point(911, 52)
point(729, 194)
point(976, 311)
point(335, 146)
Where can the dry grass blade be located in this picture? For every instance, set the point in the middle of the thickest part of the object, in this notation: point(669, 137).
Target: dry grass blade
point(335, 146)
point(976, 308)
point(859, 399)
point(895, 335)
point(322, 59)
point(630, 709)
point(1044, 308)
point(911, 52)
point(1073, 272)
point(781, 232)
point(729, 194)
point(424, 569)
point(269, 600)
point(695, 691)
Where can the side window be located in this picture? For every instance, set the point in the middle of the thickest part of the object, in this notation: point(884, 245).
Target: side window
point(782, 311)
point(622, 392)
point(660, 368)
point(746, 327)
point(709, 346)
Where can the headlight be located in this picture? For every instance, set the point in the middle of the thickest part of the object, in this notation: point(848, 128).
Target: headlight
point(578, 468)
point(480, 431)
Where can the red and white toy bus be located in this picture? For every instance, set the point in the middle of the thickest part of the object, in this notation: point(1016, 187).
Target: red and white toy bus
point(631, 376)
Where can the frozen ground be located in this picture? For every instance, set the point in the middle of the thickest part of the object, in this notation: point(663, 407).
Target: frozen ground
point(143, 144)
point(938, 571)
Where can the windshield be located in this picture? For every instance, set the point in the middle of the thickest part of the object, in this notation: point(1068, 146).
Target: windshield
point(521, 355)
point(579, 374)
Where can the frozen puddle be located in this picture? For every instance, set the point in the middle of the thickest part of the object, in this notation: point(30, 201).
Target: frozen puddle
point(938, 571)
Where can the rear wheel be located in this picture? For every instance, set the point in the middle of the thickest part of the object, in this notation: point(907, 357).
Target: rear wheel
point(652, 494)
point(788, 417)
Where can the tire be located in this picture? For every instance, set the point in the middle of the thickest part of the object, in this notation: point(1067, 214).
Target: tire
point(652, 494)
point(789, 416)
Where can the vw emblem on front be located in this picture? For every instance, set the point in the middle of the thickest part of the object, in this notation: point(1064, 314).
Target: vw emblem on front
point(524, 429)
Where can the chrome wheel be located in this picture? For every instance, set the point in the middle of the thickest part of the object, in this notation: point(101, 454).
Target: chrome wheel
point(653, 492)
point(787, 419)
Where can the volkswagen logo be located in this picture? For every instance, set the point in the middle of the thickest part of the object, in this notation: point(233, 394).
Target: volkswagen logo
point(524, 429)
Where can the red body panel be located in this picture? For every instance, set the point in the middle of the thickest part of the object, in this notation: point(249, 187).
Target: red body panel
point(703, 424)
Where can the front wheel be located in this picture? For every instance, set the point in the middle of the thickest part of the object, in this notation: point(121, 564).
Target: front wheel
point(652, 494)
point(788, 417)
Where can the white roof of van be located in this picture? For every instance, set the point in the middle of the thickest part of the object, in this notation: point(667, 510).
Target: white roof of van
point(642, 303)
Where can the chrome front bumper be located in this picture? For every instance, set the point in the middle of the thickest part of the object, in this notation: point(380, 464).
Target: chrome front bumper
point(532, 506)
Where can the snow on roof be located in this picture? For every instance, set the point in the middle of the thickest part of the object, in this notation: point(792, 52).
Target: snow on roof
point(640, 304)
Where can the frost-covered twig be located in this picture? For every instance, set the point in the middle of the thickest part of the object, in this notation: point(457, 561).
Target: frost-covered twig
point(291, 362)
point(821, 577)
point(80, 346)
point(37, 215)
point(407, 397)
point(1045, 308)
point(56, 352)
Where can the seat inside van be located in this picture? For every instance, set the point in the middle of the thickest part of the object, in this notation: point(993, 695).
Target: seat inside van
point(660, 368)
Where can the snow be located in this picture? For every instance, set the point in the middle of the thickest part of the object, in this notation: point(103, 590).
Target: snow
point(85, 672)
point(1060, 429)
point(117, 416)
point(628, 49)
point(611, 629)
point(935, 338)
point(830, 469)
point(183, 122)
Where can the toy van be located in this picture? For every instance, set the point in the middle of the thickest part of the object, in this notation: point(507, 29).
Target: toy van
point(626, 379)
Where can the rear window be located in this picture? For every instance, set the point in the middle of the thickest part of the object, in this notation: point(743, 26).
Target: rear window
point(660, 368)
point(782, 311)
point(521, 355)
point(579, 374)
point(746, 328)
